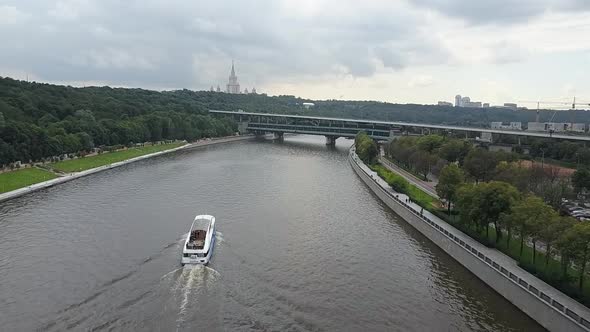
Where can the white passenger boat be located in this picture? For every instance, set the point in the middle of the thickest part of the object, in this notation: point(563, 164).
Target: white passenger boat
point(200, 241)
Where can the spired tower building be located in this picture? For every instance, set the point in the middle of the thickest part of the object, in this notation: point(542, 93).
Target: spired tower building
point(233, 86)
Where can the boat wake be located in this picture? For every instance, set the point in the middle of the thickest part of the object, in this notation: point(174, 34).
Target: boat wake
point(187, 284)
point(219, 237)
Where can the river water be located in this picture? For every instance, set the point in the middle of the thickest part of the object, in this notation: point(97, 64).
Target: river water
point(302, 245)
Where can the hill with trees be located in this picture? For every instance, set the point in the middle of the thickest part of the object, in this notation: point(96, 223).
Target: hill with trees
point(39, 120)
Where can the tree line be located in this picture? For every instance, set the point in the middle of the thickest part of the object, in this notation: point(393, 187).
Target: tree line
point(428, 155)
point(366, 148)
point(498, 201)
point(38, 121)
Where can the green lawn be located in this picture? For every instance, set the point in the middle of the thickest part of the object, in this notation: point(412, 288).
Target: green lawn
point(81, 164)
point(23, 177)
point(416, 194)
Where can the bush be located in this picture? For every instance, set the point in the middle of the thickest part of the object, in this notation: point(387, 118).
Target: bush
point(399, 184)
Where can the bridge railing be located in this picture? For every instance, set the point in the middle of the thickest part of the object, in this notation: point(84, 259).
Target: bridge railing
point(336, 131)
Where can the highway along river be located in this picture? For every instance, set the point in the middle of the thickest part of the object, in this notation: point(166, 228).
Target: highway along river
point(303, 245)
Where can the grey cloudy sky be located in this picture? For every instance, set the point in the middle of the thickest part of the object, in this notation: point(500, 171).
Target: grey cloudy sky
point(401, 51)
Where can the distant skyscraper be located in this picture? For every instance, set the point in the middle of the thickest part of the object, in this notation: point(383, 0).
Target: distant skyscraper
point(233, 86)
point(254, 90)
point(246, 91)
point(458, 101)
point(212, 89)
point(218, 88)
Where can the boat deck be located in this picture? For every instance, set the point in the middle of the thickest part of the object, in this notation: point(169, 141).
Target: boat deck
point(197, 239)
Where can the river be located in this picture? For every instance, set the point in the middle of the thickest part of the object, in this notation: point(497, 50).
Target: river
point(303, 245)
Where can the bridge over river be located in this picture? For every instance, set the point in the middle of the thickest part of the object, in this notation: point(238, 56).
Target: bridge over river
point(333, 128)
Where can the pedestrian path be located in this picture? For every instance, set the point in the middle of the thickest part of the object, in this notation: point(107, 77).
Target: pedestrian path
point(428, 187)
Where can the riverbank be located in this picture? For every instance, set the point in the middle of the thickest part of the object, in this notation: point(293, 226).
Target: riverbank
point(89, 162)
point(548, 306)
point(72, 176)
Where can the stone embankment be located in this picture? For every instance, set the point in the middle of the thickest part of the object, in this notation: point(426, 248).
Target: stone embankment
point(72, 176)
point(549, 307)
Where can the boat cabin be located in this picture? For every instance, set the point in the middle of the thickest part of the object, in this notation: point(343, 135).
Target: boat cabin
point(198, 233)
point(197, 239)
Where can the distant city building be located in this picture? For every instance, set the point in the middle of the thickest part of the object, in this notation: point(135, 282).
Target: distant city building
point(476, 104)
point(556, 127)
point(232, 85)
point(536, 126)
point(212, 89)
point(496, 125)
point(485, 137)
point(308, 105)
point(444, 103)
point(486, 105)
point(458, 101)
point(511, 106)
point(510, 126)
point(579, 127)
point(465, 101)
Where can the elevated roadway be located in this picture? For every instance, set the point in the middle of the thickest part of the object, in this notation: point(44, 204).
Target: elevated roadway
point(333, 128)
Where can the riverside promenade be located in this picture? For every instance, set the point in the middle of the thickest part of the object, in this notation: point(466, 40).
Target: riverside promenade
point(549, 307)
point(426, 186)
point(72, 176)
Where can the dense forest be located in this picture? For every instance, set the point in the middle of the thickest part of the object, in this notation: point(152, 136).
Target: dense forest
point(40, 120)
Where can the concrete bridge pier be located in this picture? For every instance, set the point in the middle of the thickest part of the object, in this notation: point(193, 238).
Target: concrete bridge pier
point(278, 136)
point(331, 140)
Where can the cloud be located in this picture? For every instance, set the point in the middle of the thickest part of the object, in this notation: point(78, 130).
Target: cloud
point(10, 15)
point(283, 43)
point(500, 11)
point(421, 81)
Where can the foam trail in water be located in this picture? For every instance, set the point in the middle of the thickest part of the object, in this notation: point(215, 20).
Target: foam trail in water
point(195, 274)
point(169, 273)
point(219, 237)
point(189, 283)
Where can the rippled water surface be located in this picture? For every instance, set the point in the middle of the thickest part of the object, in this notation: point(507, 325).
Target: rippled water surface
point(303, 245)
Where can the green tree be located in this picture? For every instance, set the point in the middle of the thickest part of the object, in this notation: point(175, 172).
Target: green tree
point(576, 244)
point(551, 232)
point(467, 204)
point(486, 203)
point(366, 148)
point(514, 174)
point(480, 164)
point(450, 179)
point(581, 179)
point(454, 150)
point(531, 216)
point(422, 161)
point(430, 143)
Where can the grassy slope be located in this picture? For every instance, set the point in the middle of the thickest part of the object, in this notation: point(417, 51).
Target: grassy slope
point(81, 164)
point(23, 177)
